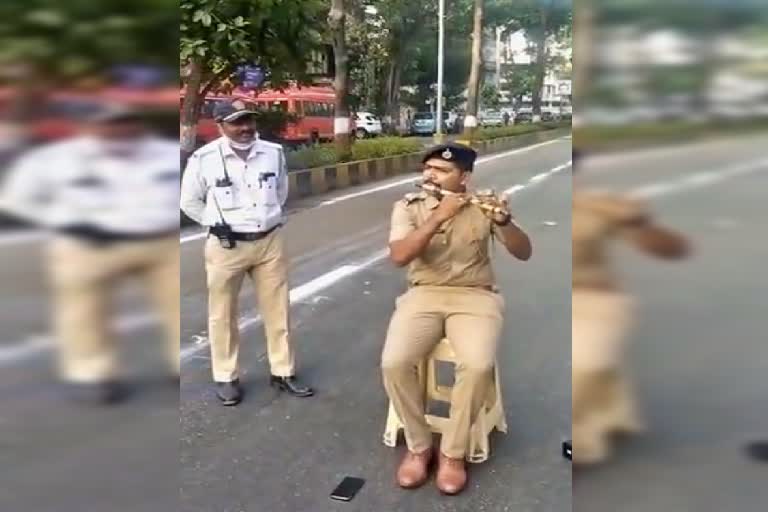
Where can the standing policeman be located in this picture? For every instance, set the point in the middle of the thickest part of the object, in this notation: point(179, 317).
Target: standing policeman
point(237, 186)
point(109, 195)
point(452, 293)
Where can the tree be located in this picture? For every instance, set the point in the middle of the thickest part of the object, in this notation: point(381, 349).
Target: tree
point(336, 21)
point(473, 85)
point(368, 59)
point(520, 81)
point(217, 37)
point(404, 22)
point(422, 71)
point(545, 22)
point(47, 43)
point(489, 97)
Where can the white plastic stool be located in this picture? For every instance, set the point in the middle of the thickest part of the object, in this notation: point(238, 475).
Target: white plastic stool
point(490, 417)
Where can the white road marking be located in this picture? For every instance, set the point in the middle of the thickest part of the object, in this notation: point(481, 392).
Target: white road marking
point(536, 179)
point(698, 180)
point(38, 343)
point(298, 294)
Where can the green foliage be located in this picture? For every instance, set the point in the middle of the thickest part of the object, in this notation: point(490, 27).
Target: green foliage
point(276, 35)
point(510, 131)
point(325, 154)
point(489, 97)
point(315, 156)
point(384, 147)
point(520, 80)
point(61, 42)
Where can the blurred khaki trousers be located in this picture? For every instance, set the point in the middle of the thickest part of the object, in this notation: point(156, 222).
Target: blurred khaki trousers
point(602, 401)
point(263, 262)
point(84, 278)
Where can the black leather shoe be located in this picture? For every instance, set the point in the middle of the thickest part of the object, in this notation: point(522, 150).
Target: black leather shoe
point(229, 392)
point(291, 385)
point(97, 393)
point(758, 450)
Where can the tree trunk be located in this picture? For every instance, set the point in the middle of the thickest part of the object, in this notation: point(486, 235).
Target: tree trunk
point(541, 64)
point(336, 21)
point(392, 93)
point(190, 109)
point(583, 47)
point(473, 86)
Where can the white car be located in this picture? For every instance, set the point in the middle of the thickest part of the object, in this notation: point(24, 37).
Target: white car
point(367, 125)
point(492, 118)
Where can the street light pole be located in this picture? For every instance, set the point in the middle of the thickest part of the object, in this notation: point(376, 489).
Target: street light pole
point(440, 58)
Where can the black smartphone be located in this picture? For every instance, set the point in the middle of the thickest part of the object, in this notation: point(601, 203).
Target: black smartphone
point(567, 450)
point(347, 489)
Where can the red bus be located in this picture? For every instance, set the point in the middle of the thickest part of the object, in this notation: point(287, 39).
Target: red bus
point(312, 106)
point(54, 114)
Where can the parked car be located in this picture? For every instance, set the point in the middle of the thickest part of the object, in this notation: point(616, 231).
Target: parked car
point(423, 123)
point(491, 118)
point(367, 125)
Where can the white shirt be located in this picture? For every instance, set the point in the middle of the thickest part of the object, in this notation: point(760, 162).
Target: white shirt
point(254, 200)
point(77, 181)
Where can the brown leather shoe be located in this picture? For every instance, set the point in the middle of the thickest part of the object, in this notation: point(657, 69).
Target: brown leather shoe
point(414, 469)
point(451, 475)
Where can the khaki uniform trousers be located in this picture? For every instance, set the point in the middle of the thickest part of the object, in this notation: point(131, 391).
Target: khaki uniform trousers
point(83, 277)
point(471, 318)
point(263, 262)
point(602, 400)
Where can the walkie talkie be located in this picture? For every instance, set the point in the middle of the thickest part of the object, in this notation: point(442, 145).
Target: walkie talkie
point(222, 230)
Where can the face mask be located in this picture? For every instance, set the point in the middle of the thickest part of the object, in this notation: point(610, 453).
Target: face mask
point(115, 146)
point(241, 146)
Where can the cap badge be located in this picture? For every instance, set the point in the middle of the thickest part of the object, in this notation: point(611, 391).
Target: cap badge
point(447, 154)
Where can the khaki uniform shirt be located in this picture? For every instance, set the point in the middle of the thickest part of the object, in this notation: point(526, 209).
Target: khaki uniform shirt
point(598, 218)
point(457, 255)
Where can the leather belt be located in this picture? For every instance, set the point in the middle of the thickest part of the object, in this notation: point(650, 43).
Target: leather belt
point(252, 237)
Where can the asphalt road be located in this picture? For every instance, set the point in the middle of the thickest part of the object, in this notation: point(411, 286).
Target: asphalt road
point(276, 453)
point(699, 354)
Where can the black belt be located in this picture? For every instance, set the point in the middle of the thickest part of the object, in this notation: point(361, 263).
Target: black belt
point(252, 237)
point(95, 235)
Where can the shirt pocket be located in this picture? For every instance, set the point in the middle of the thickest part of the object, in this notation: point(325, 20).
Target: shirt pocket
point(474, 241)
point(87, 193)
point(164, 188)
point(438, 248)
point(225, 197)
point(267, 189)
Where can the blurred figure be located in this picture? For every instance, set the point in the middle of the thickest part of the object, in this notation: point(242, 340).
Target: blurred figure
point(110, 197)
point(602, 315)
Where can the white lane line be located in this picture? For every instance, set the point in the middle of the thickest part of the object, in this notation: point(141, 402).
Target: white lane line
point(196, 236)
point(536, 179)
point(22, 237)
point(699, 179)
point(38, 343)
point(297, 295)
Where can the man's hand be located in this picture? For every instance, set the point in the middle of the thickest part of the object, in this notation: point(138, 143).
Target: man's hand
point(449, 207)
point(501, 219)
